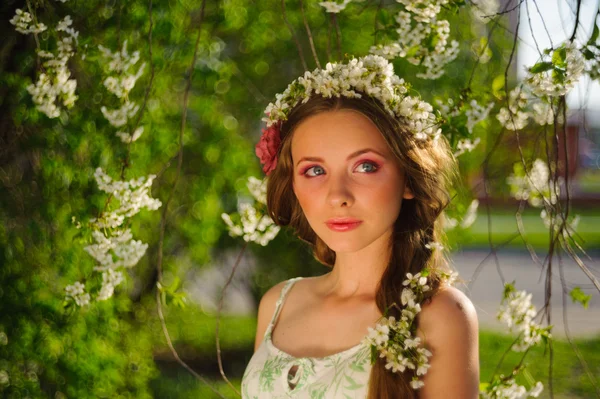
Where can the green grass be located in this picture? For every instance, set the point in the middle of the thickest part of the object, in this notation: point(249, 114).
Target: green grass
point(504, 227)
point(193, 333)
point(569, 378)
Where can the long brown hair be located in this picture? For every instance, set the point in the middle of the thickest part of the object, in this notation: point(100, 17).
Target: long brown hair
point(428, 168)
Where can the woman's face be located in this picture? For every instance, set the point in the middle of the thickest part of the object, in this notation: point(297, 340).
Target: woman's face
point(344, 171)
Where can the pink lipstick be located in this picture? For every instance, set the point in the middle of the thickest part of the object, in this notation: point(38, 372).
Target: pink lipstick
point(343, 224)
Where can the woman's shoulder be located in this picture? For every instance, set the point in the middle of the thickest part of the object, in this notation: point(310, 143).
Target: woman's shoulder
point(449, 313)
point(268, 305)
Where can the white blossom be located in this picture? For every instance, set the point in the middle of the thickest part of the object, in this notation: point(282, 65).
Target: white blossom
point(471, 214)
point(110, 279)
point(252, 223)
point(22, 22)
point(416, 25)
point(509, 389)
point(118, 117)
point(76, 291)
point(465, 145)
point(334, 6)
point(55, 83)
point(119, 61)
point(133, 195)
point(543, 114)
point(258, 189)
point(129, 138)
point(517, 312)
point(477, 113)
point(434, 246)
point(535, 186)
point(553, 84)
point(515, 116)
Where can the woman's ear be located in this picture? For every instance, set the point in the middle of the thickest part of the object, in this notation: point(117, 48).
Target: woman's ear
point(408, 194)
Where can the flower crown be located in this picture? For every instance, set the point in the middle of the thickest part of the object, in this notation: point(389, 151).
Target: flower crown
point(371, 75)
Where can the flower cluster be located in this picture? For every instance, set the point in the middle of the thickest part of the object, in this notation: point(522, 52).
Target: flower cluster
point(396, 340)
point(422, 38)
point(114, 246)
point(515, 115)
point(116, 250)
point(535, 186)
point(54, 83)
point(133, 196)
point(110, 279)
point(517, 312)
point(370, 75)
point(559, 75)
point(23, 23)
point(523, 105)
point(507, 388)
point(468, 218)
point(335, 6)
point(253, 224)
point(570, 224)
point(120, 81)
point(474, 113)
point(76, 291)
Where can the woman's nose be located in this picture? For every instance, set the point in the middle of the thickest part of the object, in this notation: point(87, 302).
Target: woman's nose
point(339, 193)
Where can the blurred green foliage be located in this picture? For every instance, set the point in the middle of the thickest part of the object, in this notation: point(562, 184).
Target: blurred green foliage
point(246, 55)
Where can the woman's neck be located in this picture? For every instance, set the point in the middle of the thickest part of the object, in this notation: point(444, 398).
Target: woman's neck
point(357, 273)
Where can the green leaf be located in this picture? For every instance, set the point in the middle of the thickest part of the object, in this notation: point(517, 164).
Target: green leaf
point(508, 289)
point(578, 296)
point(559, 57)
point(498, 86)
point(373, 355)
point(541, 67)
point(412, 51)
point(595, 35)
point(588, 54)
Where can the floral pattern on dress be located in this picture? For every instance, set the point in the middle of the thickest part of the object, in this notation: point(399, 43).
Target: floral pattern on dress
point(341, 375)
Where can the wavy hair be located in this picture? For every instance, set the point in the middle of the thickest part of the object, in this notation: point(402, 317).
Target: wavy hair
point(428, 167)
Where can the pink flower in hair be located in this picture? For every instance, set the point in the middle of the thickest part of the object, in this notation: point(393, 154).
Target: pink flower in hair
point(267, 147)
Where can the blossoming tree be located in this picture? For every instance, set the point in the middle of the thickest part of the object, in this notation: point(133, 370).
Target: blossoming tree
point(117, 110)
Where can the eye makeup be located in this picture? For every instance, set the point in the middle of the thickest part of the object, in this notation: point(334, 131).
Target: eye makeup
point(374, 164)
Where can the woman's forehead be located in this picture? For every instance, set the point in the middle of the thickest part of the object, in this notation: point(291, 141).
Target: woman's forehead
point(340, 131)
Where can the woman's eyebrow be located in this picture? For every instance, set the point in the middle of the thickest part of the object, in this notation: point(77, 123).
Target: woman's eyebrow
point(354, 154)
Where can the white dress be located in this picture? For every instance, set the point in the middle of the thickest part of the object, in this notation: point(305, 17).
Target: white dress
point(341, 375)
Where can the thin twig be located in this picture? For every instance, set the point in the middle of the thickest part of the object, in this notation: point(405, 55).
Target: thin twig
point(577, 12)
point(309, 34)
point(566, 328)
point(163, 323)
point(163, 219)
point(291, 29)
point(218, 320)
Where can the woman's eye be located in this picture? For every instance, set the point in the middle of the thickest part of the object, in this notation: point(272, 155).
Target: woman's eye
point(315, 171)
point(368, 167)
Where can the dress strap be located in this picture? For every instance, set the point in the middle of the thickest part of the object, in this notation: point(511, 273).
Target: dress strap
point(279, 304)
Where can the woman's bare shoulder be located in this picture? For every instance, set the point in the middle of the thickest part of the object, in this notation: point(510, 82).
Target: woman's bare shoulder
point(449, 313)
point(448, 326)
point(266, 308)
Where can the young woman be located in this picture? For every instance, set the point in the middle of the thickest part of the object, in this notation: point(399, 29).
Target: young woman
point(358, 169)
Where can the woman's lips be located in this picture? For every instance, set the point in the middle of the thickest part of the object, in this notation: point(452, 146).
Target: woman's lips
point(343, 226)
